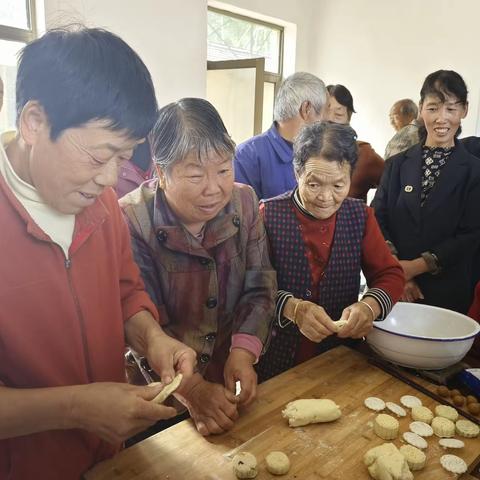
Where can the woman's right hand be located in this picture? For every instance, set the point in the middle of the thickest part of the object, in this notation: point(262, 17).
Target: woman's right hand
point(115, 411)
point(411, 292)
point(313, 321)
point(212, 407)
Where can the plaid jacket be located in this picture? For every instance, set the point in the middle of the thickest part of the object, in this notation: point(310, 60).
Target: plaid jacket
point(205, 292)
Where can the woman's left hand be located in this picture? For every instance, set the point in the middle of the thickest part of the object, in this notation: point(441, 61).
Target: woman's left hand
point(239, 367)
point(413, 268)
point(359, 321)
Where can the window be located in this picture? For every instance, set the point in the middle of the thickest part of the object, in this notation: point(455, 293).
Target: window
point(17, 27)
point(235, 45)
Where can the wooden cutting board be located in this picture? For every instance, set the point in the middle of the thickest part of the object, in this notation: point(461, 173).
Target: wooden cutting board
point(332, 451)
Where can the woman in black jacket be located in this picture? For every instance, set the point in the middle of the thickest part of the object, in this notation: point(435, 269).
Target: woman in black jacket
point(428, 201)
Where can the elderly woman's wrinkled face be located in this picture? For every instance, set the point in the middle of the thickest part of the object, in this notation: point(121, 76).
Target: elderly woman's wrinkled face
point(337, 113)
point(442, 119)
point(323, 186)
point(198, 190)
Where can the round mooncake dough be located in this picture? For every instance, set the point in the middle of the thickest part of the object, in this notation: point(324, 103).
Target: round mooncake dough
point(374, 403)
point(454, 464)
point(410, 401)
point(421, 428)
point(386, 427)
point(415, 458)
point(422, 414)
point(451, 443)
point(277, 463)
point(415, 440)
point(396, 409)
point(245, 465)
point(443, 427)
point(467, 429)
point(446, 411)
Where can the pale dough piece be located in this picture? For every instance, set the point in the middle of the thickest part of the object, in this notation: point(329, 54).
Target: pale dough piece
point(339, 324)
point(385, 426)
point(422, 414)
point(410, 401)
point(415, 458)
point(396, 409)
point(385, 462)
point(169, 389)
point(421, 428)
point(443, 427)
point(415, 440)
point(451, 443)
point(446, 411)
point(277, 463)
point(311, 410)
point(374, 403)
point(467, 429)
point(454, 464)
point(245, 465)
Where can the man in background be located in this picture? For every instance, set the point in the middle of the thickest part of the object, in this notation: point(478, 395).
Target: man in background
point(266, 161)
point(403, 115)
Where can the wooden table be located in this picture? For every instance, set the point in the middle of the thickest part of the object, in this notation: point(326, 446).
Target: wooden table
point(332, 451)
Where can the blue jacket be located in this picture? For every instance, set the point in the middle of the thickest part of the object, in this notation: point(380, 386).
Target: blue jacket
point(266, 163)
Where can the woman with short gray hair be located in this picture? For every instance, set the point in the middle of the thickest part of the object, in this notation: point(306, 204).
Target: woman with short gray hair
point(319, 241)
point(201, 247)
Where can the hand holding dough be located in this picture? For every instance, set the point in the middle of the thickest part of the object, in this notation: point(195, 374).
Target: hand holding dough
point(305, 411)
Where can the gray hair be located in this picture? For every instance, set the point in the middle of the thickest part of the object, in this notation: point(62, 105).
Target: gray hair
point(407, 108)
point(331, 141)
point(190, 124)
point(296, 89)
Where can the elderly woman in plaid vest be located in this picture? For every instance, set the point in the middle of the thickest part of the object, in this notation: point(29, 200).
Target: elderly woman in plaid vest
point(320, 240)
point(201, 247)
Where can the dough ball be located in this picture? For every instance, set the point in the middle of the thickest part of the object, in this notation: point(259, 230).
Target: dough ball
point(422, 414)
point(471, 399)
point(386, 462)
point(386, 427)
point(454, 464)
point(311, 410)
point(443, 391)
point(415, 458)
point(245, 465)
point(467, 429)
point(446, 411)
point(277, 463)
point(454, 392)
point(459, 400)
point(443, 427)
point(474, 408)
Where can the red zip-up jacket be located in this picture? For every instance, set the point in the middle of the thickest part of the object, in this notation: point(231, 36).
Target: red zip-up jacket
point(61, 323)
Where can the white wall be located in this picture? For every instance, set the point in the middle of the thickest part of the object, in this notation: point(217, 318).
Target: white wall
point(383, 49)
point(170, 37)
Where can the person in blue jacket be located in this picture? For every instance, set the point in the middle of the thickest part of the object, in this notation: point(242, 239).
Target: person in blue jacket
point(265, 161)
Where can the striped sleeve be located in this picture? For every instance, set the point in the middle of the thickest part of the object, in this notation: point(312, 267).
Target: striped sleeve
point(282, 297)
point(384, 300)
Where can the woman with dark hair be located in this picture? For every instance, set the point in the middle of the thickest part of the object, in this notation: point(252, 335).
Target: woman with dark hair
point(369, 168)
point(427, 202)
point(319, 241)
point(202, 251)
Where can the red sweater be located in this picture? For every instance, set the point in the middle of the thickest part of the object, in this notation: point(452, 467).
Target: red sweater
point(61, 323)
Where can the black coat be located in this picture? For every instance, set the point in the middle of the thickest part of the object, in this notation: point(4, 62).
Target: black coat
point(447, 225)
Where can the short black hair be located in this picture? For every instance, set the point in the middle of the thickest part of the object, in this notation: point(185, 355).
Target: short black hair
point(343, 96)
point(334, 142)
point(189, 125)
point(441, 84)
point(80, 74)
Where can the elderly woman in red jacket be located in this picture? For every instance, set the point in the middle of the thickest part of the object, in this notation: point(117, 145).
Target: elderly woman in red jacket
point(319, 242)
